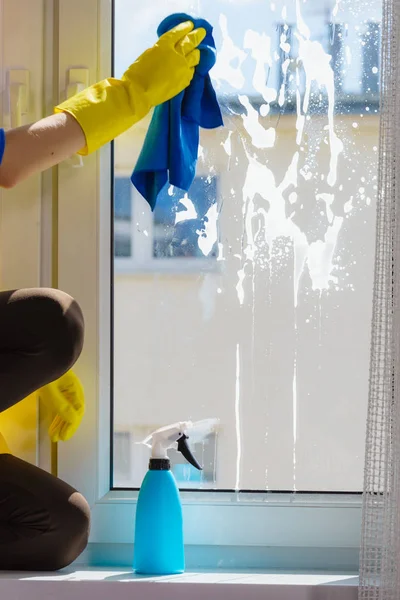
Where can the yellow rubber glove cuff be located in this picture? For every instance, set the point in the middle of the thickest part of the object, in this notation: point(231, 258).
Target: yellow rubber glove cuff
point(110, 107)
point(66, 398)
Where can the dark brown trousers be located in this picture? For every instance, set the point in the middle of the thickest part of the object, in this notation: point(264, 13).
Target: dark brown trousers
point(44, 523)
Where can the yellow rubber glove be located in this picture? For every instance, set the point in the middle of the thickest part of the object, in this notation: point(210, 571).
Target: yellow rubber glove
point(66, 398)
point(110, 107)
point(4, 449)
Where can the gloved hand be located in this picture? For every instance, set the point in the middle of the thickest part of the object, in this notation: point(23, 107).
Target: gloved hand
point(66, 398)
point(4, 449)
point(110, 107)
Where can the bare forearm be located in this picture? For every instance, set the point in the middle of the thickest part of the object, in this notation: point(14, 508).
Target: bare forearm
point(34, 148)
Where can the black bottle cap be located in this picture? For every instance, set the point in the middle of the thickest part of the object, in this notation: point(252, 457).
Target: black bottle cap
point(160, 464)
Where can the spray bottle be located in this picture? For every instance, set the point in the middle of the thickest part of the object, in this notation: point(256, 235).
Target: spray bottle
point(159, 545)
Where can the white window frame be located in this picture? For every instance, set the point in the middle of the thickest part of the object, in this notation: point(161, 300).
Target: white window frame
point(288, 530)
point(26, 210)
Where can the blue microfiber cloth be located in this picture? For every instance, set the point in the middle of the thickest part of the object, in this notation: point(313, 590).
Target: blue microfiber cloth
point(171, 146)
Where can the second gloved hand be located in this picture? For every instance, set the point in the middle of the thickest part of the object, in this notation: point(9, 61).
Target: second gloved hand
point(110, 107)
point(64, 397)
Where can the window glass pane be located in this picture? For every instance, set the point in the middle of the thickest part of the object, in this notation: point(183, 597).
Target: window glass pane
point(274, 339)
point(122, 217)
point(181, 220)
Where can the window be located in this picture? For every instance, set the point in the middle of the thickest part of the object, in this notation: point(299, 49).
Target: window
point(131, 459)
point(122, 218)
point(371, 52)
point(185, 225)
point(122, 457)
point(257, 342)
point(206, 454)
point(274, 338)
point(182, 226)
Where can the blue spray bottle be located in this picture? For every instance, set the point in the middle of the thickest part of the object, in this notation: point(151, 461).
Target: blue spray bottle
point(159, 545)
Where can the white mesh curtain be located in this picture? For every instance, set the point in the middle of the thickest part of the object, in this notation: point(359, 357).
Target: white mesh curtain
point(380, 545)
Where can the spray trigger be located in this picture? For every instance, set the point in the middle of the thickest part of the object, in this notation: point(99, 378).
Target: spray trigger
point(183, 448)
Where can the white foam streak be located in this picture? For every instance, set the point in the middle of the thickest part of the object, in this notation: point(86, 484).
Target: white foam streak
point(260, 46)
point(237, 420)
point(228, 55)
point(260, 137)
point(189, 213)
point(336, 9)
point(320, 257)
point(260, 181)
point(239, 286)
point(294, 385)
point(317, 68)
point(209, 235)
point(227, 145)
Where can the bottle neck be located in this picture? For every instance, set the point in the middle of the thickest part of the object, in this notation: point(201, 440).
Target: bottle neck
point(159, 464)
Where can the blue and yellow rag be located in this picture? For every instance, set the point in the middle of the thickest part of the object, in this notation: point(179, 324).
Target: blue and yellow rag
point(170, 149)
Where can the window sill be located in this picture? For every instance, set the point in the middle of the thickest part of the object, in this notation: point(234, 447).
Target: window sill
point(103, 584)
point(167, 266)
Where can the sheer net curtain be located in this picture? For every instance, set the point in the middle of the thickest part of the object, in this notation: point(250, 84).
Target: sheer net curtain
point(380, 547)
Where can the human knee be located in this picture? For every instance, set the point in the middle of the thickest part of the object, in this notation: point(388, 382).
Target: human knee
point(65, 329)
point(74, 533)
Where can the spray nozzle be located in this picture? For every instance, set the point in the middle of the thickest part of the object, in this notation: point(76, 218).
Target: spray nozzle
point(184, 449)
point(163, 439)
